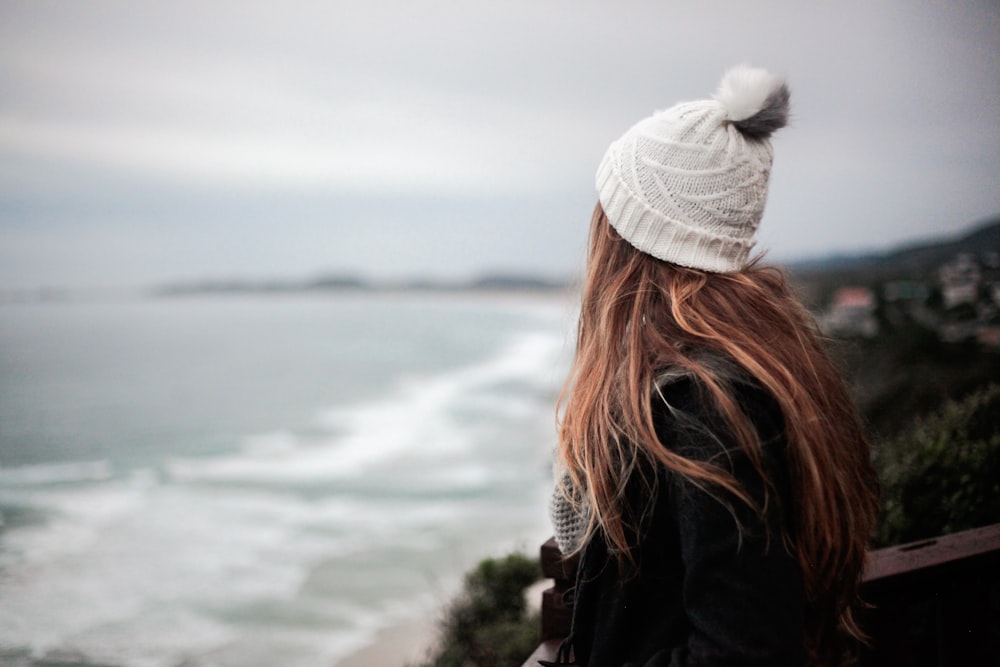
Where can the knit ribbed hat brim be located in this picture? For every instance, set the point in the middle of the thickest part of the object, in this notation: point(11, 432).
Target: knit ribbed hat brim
point(655, 234)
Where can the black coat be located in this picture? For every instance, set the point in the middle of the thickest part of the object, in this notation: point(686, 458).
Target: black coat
point(704, 591)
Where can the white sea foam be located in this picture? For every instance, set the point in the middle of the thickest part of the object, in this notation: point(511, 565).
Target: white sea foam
point(55, 473)
point(117, 560)
point(418, 419)
point(151, 586)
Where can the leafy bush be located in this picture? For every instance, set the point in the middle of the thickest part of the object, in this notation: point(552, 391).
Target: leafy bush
point(944, 474)
point(488, 625)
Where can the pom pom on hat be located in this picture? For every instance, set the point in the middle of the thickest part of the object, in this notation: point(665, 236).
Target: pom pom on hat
point(755, 100)
point(688, 184)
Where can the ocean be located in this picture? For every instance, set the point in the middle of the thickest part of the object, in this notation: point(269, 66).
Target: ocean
point(263, 480)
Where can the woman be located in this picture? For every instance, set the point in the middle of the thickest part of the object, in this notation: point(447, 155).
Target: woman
point(717, 480)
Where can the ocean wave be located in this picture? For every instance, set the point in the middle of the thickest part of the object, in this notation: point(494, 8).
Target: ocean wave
point(55, 473)
point(420, 419)
point(140, 571)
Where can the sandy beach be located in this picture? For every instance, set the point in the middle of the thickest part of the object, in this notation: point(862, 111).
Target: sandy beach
point(406, 643)
point(400, 645)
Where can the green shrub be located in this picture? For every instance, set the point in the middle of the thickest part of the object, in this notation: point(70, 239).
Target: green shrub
point(944, 474)
point(488, 625)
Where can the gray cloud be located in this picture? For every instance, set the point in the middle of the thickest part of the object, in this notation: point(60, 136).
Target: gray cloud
point(141, 142)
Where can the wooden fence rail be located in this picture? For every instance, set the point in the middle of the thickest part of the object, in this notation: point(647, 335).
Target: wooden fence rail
point(935, 603)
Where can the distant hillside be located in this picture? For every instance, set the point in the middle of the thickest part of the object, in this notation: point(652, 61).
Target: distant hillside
point(911, 261)
point(515, 282)
point(908, 369)
point(818, 278)
point(350, 283)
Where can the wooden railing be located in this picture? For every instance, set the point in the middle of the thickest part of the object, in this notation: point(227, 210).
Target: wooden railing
point(934, 603)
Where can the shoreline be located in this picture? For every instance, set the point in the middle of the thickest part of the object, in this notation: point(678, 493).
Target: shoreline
point(410, 641)
point(400, 644)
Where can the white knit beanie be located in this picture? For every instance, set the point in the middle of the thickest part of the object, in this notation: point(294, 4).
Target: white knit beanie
point(688, 185)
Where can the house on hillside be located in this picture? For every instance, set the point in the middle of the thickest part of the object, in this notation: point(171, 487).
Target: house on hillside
point(851, 313)
point(960, 280)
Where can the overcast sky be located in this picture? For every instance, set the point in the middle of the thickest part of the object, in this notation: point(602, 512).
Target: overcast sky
point(144, 142)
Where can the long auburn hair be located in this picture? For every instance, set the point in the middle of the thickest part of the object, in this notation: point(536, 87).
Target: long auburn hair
point(641, 316)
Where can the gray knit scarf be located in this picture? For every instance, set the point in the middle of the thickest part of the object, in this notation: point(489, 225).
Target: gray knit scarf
point(569, 519)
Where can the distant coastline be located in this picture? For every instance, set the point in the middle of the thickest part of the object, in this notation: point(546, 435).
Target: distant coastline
point(349, 283)
point(513, 285)
point(907, 261)
point(910, 260)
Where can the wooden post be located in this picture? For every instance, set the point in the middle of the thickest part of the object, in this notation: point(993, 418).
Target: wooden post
point(556, 615)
